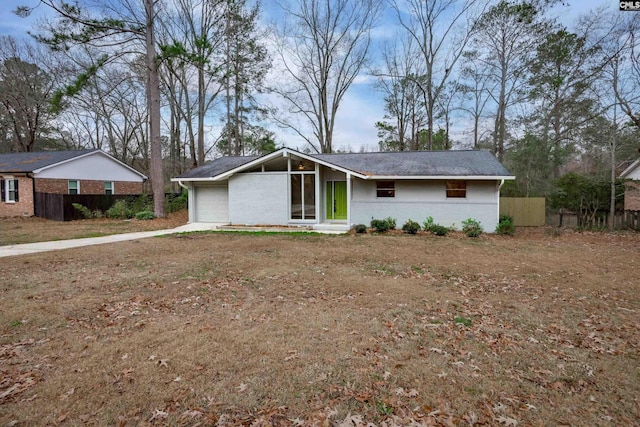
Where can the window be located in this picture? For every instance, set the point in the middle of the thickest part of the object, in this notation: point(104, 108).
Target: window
point(108, 187)
point(74, 187)
point(9, 190)
point(456, 189)
point(303, 196)
point(385, 189)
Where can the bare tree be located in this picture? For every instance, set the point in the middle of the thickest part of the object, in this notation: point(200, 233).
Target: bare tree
point(192, 42)
point(476, 88)
point(441, 31)
point(130, 25)
point(402, 97)
point(507, 35)
point(627, 49)
point(26, 88)
point(322, 45)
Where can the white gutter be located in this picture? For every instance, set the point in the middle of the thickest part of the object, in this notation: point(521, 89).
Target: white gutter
point(442, 177)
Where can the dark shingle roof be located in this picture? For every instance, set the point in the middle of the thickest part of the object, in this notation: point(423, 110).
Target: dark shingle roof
point(419, 163)
point(217, 167)
point(402, 163)
point(28, 162)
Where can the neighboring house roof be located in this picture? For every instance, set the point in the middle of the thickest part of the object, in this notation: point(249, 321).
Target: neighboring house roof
point(403, 164)
point(40, 160)
point(29, 162)
point(630, 169)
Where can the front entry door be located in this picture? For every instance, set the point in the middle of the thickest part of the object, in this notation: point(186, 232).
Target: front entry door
point(336, 200)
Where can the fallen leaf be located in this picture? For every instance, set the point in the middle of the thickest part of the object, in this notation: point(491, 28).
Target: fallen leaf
point(158, 415)
point(509, 422)
point(412, 393)
point(67, 394)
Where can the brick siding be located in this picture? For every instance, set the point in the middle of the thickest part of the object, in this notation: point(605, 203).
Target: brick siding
point(632, 196)
point(61, 186)
point(24, 205)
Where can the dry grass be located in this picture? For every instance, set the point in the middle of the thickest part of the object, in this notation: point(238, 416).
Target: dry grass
point(278, 330)
point(30, 230)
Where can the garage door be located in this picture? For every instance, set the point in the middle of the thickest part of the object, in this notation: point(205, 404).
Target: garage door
point(212, 203)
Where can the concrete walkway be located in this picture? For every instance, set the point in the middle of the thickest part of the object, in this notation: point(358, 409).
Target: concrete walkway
point(30, 248)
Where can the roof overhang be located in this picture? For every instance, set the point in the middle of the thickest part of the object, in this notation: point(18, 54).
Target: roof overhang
point(630, 169)
point(283, 152)
point(442, 177)
point(287, 152)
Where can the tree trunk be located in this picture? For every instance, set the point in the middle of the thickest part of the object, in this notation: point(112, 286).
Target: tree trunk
point(201, 111)
point(153, 104)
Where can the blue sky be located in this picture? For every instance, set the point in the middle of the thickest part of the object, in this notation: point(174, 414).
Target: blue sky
point(361, 107)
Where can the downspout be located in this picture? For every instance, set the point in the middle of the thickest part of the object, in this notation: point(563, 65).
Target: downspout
point(499, 187)
point(33, 191)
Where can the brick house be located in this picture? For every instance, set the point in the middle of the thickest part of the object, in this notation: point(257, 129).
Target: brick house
point(632, 186)
point(61, 172)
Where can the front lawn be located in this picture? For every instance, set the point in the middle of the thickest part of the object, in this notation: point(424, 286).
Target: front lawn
point(209, 328)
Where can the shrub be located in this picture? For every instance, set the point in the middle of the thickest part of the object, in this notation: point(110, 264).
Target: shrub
point(428, 223)
point(360, 228)
point(177, 203)
point(119, 210)
point(505, 225)
point(380, 225)
point(439, 230)
point(143, 202)
point(85, 211)
point(411, 227)
point(471, 227)
point(97, 213)
point(391, 222)
point(144, 215)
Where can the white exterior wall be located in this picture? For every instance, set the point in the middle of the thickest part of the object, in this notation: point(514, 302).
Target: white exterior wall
point(92, 167)
point(260, 198)
point(635, 174)
point(418, 200)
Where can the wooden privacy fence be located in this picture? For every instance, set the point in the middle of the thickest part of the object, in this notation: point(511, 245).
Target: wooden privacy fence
point(526, 211)
point(623, 220)
point(59, 207)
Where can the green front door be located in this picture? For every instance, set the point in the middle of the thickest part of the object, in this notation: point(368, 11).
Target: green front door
point(336, 200)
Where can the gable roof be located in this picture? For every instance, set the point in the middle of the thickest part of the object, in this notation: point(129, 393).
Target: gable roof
point(397, 165)
point(630, 169)
point(39, 160)
point(29, 162)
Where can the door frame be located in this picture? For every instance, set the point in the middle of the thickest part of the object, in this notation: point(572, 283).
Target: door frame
point(330, 198)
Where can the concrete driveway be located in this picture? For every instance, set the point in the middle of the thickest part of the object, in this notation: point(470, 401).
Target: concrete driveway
point(30, 248)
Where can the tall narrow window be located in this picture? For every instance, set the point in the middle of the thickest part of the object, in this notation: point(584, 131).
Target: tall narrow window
point(9, 190)
point(108, 187)
point(74, 187)
point(303, 196)
point(385, 189)
point(456, 189)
